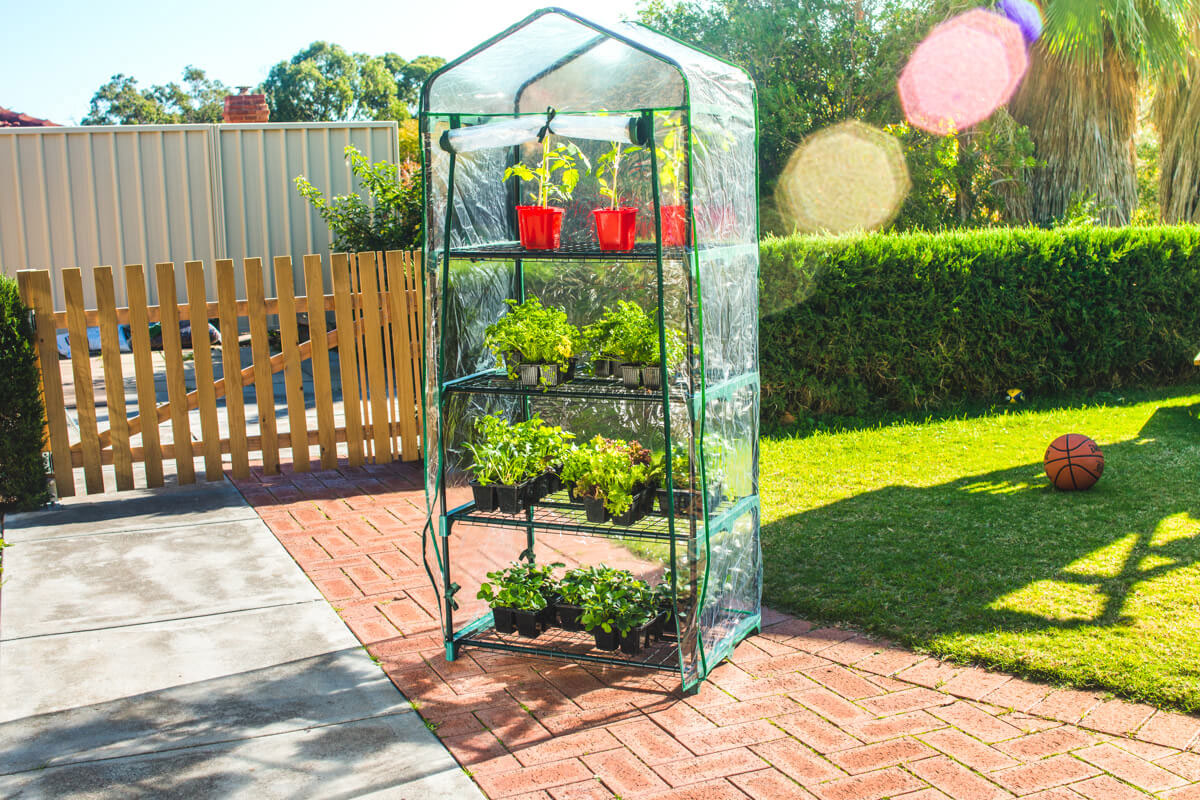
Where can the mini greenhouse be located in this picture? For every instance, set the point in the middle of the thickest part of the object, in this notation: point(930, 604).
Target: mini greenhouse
point(540, 113)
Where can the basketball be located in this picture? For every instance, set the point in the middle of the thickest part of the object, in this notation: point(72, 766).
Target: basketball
point(1073, 461)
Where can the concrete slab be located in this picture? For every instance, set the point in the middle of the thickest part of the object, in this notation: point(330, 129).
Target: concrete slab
point(60, 584)
point(162, 643)
point(309, 692)
point(44, 674)
point(383, 757)
point(137, 510)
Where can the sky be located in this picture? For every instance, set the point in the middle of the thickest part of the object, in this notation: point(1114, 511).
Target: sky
point(56, 53)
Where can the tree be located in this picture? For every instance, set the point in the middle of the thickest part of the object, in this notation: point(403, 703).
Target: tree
point(1080, 101)
point(964, 180)
point(120, 102)
point(819, 62)
point(1176, 113)
point(323, 82)
point(814, 63)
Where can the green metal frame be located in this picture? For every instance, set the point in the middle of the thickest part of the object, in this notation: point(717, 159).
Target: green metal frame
point(695, 405)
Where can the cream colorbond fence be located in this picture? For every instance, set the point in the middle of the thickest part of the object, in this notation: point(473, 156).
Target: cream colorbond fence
point(141, 194)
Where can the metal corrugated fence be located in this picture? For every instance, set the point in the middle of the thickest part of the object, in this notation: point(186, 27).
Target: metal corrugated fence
point(141, 194)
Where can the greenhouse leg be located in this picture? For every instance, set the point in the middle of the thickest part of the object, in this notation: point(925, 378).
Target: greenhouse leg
point(451, 648)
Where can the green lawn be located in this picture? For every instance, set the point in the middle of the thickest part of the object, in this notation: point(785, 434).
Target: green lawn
point(945, 535)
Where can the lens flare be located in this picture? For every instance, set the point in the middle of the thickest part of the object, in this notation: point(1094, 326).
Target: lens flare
point(962, 72)
point(848, 177)
point(1025, 15)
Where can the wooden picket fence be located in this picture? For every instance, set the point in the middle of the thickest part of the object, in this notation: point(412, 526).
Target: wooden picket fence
point(376, 298)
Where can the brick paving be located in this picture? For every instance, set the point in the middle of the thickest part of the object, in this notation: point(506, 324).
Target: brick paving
point(796, 712)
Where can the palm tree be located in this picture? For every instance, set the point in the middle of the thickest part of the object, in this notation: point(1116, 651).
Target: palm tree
point(1176, 113)
point(1079, 100)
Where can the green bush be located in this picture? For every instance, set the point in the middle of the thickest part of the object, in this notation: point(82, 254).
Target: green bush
point(389, 218)
point(920, 321)
point(23, 482)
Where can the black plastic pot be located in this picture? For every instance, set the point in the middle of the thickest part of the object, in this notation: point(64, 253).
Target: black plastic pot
point(485, 497)
point(647, 499)
point(567, 374)
point(512, 499)
point(687, 502)
point(527, 623)
point(548, 616)
point(632, 642)
point(568, 616)
point(596, 512)
point(606, 641)
point(631, 375)
point(637, 510)
point(602, 367)
point(643, 503)
point(503, 619)
point(658, 625)
point(652, 377)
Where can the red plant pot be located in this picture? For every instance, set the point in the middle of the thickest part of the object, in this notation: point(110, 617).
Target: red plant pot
point(540, 227)
point(674, 226)
point(616, 228)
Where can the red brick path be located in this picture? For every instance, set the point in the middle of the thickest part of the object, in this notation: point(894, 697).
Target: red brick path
point(796, 713)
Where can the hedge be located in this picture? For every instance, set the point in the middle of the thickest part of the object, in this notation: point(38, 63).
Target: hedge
point(23, 483)
point(924, 321)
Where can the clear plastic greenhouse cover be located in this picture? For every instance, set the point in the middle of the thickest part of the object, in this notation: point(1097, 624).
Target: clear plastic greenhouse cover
point(699, 113)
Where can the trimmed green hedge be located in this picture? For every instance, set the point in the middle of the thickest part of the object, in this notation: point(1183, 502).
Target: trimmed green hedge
point(918, 321)
point(23, 482)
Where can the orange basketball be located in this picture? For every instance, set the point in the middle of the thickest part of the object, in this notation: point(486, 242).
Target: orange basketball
point(1073, 461)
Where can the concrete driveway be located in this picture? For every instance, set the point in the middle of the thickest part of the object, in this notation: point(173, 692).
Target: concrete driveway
point(162, 643)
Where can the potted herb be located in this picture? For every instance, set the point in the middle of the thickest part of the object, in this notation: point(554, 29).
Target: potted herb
point(576, 588)
point(610, 477)
point(616, 226)
point(606, 338)
point(547, 446)
point(620, 612)
point(535, 344)
point(510, 460)
point(665, 606)
point(651, 373)
point(520, 597)
point(627, 339)
point(688, 501)
point(672, 177)
point(540, 225)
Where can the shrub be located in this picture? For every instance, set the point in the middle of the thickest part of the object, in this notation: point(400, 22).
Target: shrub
point(388, 219)
point(918, 321)
point(23, 483)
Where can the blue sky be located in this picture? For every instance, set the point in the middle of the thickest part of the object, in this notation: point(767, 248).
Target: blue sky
point(56, 53)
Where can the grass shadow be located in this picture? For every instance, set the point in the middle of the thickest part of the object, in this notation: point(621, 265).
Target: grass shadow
point(1090, 588)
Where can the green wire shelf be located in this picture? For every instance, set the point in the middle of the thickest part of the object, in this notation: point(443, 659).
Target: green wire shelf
point(642, 251)
point(580, 388)
point(576, 646)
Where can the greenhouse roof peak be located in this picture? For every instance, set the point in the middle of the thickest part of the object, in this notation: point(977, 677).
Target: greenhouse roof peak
point(556, 58)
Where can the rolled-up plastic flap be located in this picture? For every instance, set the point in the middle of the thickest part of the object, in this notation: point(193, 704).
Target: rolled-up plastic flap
point(509, 132)
point(504, 133)
point(620, 128)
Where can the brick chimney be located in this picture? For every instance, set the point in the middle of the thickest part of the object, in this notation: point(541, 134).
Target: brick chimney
point(242, 107)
